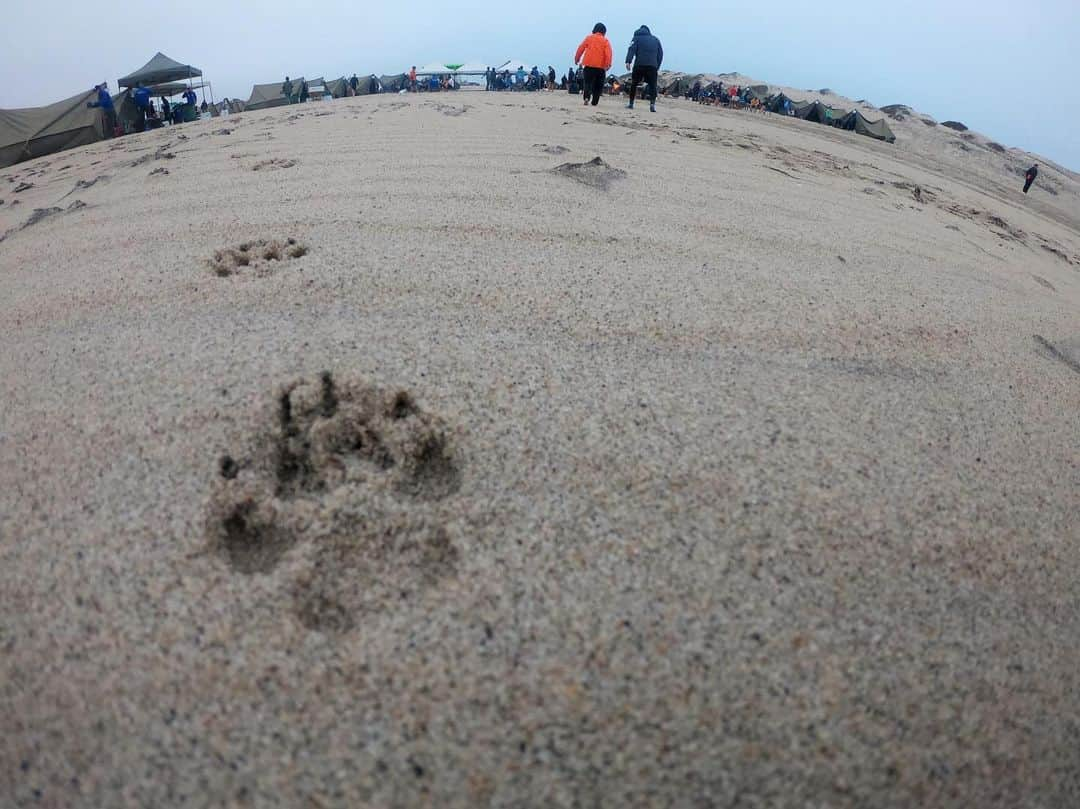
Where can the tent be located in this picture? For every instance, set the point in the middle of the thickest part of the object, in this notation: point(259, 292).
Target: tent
point(758, 91)
point(392, 83)
point(265, 96)
point(776, 103)
point(433, 69)
point(472, 69)
point(511, 66)
point(175, 88)
point(814, 111)
point(159, 70)
point(37, 131)
point(855, 122)
point(338, 88)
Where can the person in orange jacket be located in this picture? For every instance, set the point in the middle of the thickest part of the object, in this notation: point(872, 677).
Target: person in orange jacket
point(594, 53)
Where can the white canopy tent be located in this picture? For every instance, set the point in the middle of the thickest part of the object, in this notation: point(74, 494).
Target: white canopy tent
point(511, 65)
point(433, 69)
point(472, 69)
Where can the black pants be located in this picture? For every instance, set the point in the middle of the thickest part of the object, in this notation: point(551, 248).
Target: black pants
point(1027, 183)
point(594, 83)
point(647, 75)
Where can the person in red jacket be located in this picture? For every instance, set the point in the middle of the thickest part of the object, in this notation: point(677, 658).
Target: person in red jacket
point(594, 54)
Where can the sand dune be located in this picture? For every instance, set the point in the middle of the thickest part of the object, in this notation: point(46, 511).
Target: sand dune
point(397, 452)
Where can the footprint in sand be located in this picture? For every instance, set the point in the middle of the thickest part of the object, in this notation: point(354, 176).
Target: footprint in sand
point(1068, 358)
point(595, 173)
point(273, 164)
point(41, 214)
point(352, 480)
point(259, 256)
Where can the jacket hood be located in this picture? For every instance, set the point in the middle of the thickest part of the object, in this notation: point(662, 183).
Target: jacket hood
point(642, 31)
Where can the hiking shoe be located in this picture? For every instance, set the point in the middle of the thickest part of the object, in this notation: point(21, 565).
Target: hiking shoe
point(630, 106)
point(652, 108)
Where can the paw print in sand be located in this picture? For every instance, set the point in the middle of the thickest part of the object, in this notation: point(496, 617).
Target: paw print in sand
point(259, 256)
point(350, 483)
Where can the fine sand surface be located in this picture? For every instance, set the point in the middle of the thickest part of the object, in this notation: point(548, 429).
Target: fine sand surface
point(740, 468)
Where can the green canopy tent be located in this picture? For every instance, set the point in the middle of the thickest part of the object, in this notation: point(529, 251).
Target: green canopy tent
point(854, 121)
point(37, 131)
point(159, 70)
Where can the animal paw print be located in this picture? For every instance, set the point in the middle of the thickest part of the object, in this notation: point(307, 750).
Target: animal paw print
point(352, 479)
point(273, 164)
point(257, 255)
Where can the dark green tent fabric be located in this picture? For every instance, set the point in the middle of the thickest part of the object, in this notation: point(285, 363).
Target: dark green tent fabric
point(392, 84)
point(338, 88)
point(126, 111)
point(37, 131)
point(758, 91)
point(815, 111)
point(265, 96)
point(855, 122)
point(776, 103)
point(174, 88)
point(159, 70)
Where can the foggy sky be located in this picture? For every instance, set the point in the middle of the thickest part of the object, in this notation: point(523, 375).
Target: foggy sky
point(1009, 70)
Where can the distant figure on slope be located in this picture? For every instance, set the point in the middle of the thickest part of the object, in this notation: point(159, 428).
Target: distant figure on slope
point(594, 53)
point(412, 79)
point(551, 79)
point(645, 55)
point(1030, 176)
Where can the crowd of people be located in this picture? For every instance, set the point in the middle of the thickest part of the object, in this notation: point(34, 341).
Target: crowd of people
point(733, 96)
point(520, 79)
point(147, 113)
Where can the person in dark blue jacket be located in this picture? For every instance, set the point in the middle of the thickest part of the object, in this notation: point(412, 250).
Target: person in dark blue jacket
point(645, 56)
point(106, 103)
point(141, 97)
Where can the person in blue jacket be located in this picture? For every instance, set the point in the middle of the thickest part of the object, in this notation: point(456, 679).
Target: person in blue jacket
point(106, 103)
point(645, 56)
point(141, 97)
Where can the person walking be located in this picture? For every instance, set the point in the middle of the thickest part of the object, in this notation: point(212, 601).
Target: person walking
point(551, 79)
point(286, 89)
point(645, 55)
point(1030, 176)
point(594, 54)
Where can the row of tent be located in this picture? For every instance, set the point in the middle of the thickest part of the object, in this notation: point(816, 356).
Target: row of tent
point(36, 131)
point(816, 111)
point(851, 120)
point(266, 96)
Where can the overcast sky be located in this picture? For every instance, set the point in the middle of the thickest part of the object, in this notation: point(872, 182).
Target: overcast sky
point(1010, 70)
